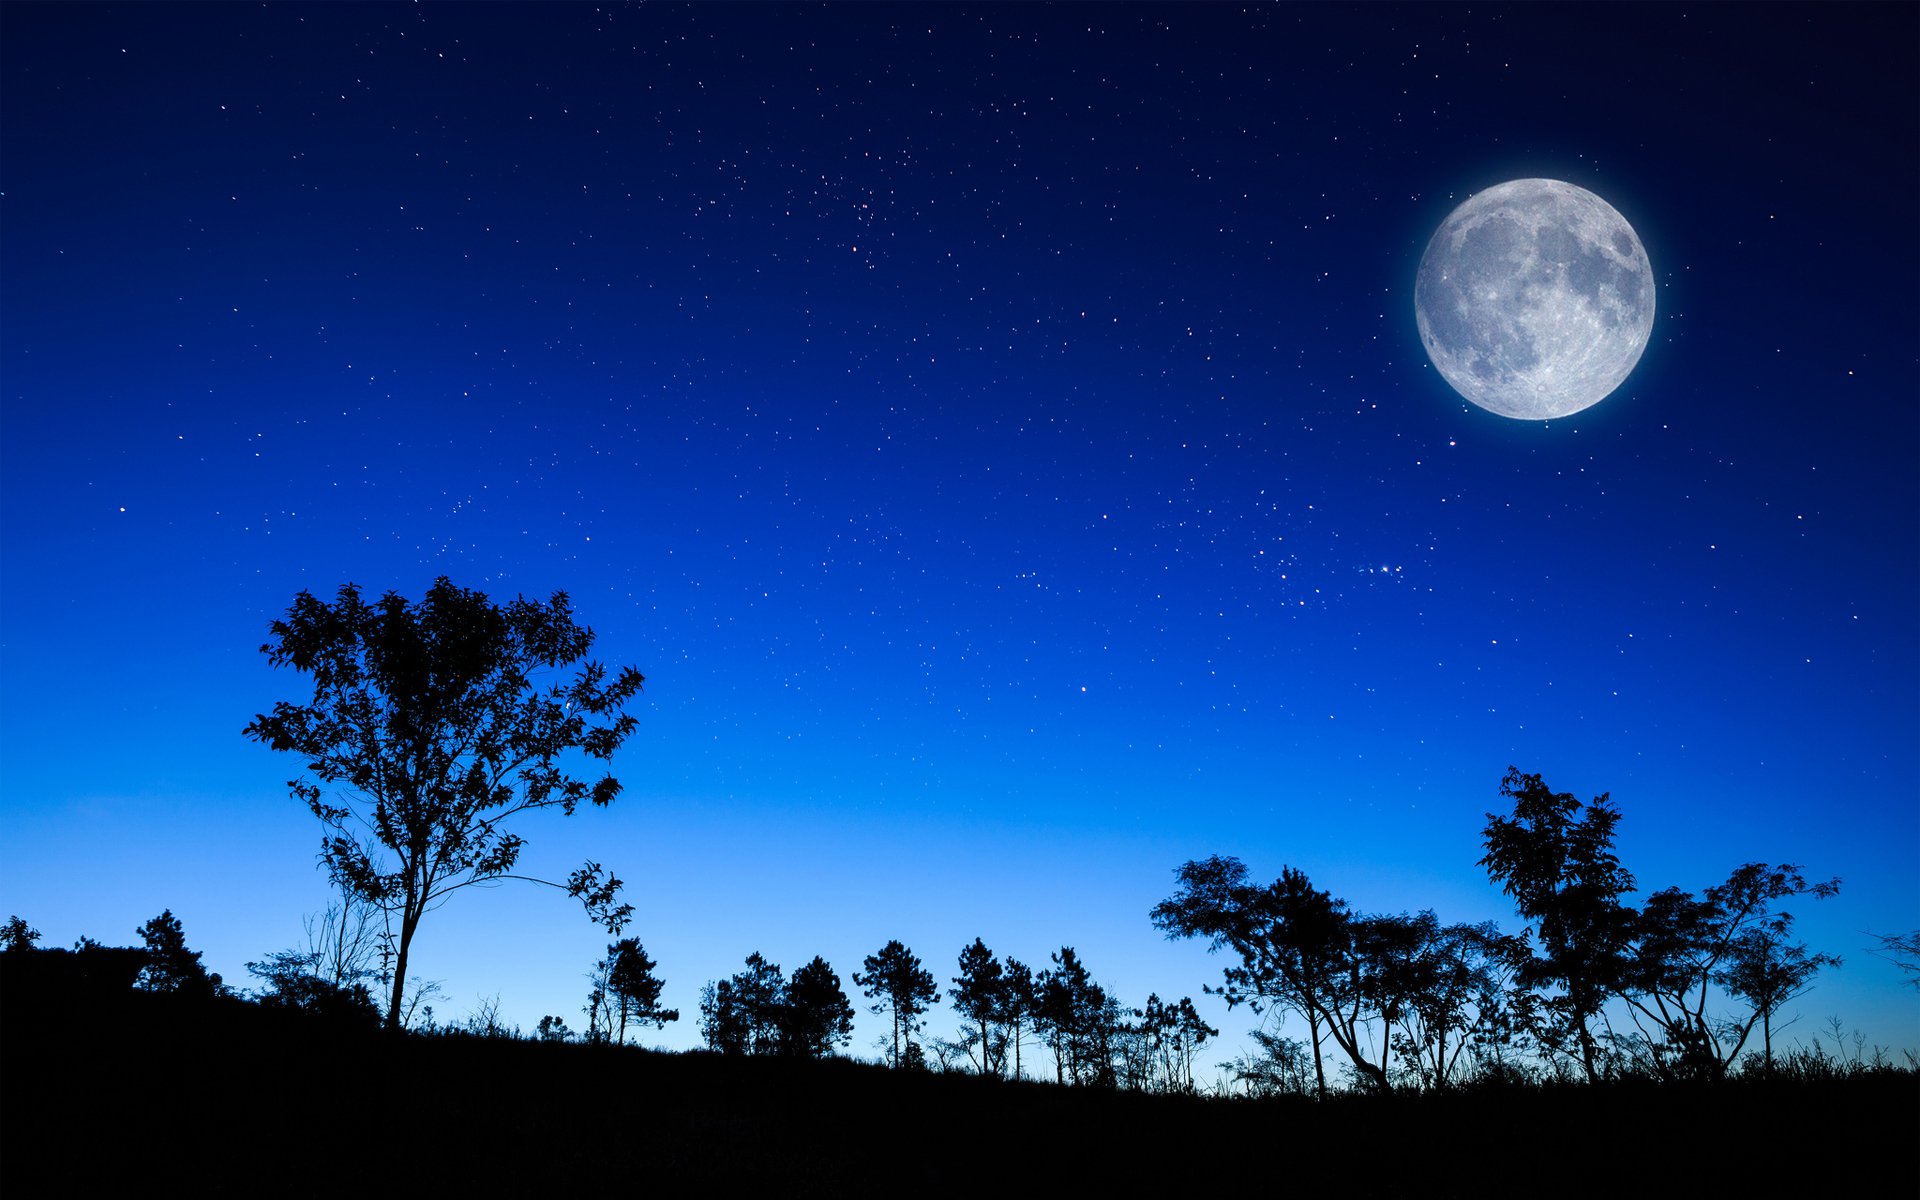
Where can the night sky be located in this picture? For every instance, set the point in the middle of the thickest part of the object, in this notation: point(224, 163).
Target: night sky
point(1001, 437)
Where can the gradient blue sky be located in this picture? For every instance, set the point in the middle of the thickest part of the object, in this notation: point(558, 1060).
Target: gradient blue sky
point(999, 434)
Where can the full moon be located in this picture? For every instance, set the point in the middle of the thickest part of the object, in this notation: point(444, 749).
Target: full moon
point(1534, 299)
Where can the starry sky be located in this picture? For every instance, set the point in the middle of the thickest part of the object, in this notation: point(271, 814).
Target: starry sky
point(1001, 437)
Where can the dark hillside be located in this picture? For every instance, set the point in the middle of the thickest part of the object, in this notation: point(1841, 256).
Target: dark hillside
point(119, 1089)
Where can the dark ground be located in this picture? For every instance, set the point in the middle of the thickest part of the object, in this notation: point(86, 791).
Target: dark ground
point(137, 1090)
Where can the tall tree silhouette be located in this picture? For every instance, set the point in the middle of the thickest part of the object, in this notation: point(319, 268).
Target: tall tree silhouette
point(1555, 857)
point(1446, 991)
point(1171, 1036)
point(1769, 971)
point(1017, 1003)
point(743, 1015)
point(171, 967)
point(723, 1019)
point(426, 734)
point(626, 991)
point(1730, 938)
point(899, 987)
point(979, 996)
point(817, 1015)
point(1077, 1019)
point(1295, 944)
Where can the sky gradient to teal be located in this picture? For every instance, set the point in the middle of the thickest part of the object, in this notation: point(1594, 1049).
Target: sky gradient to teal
point(1000, 435)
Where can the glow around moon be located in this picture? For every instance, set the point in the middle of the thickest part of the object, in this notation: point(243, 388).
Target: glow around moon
point(1534, 299)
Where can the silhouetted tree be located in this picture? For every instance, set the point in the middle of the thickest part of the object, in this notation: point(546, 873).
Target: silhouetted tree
point(17, 935)
point(1077, 1020)
point(345, 942)
point(1015, 1013)
point(1171, 1037)
point(625, 990)
point(978, 995)
point(1445, 989)
point(900, 988)
point(330, 976)
point(427, 722)
point(723, 1019)
point(598, 1012)
point(743, 1015)
point(1560, 869)
point(1730, 937)
point(485, 1021)
point(1133, 1064)
point(1283, 1067)
point(817, 1015)
point(1113, 1050)
point(292, 979)
point(171, 967)
point(1296, 948)
point(1355, 978)
point(553, 1029)
point(415, 1011)
point(1768, 972)
point(763, 994)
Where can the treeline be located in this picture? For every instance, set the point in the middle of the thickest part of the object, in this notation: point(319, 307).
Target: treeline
point(227, 1094)
point(425, 734)
point(1004, 1008)
point(1593, 988)
point(1679, 988)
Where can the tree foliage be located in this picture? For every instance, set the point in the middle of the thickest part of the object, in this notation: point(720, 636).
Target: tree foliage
point(1015, 1012)
point(817, 1015)
point(1674, 963)
point(17, 934)
point(292, 979)
point(1555, 857)
point(171, 967)
point(1443, 992)
point(625, 991)
point(426, 734)
point(758, 1012)
point(331, 975)
point(902, 990)
point(1374, 985)
point(1730, 938)
point(1170, 1037)
point(1295, 944)
point(743, 1014)
point(1282, 1066)
point(1079, 1022)
point(723, 1019)
point(979, 996)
